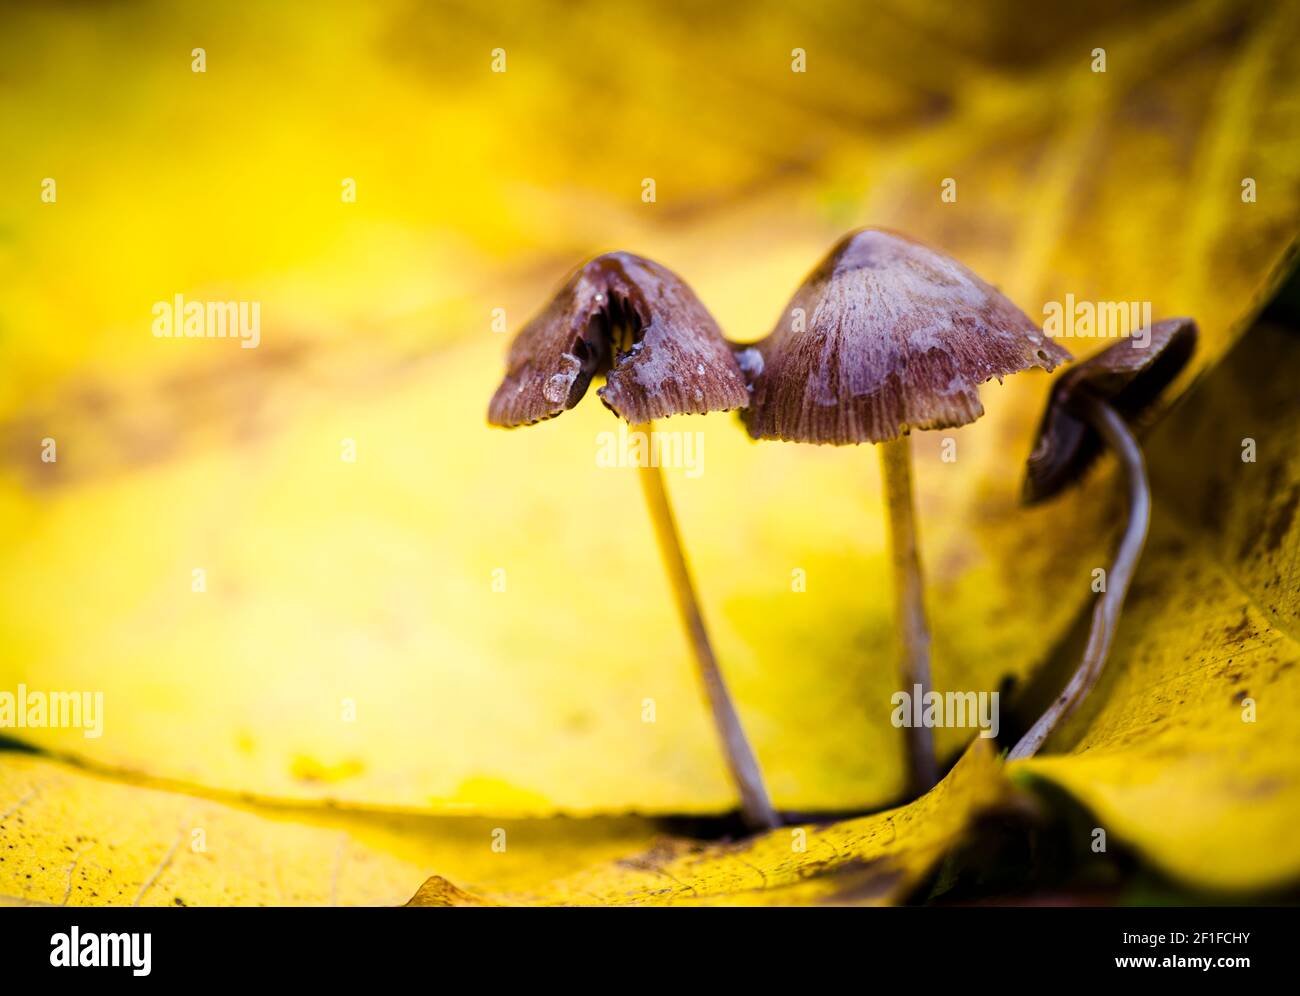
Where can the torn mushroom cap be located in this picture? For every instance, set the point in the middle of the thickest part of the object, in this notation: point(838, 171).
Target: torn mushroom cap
point(634, 321)
point(885, 336)
point(1127, 375)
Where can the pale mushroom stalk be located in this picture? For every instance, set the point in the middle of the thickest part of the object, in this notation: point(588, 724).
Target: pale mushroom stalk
point(1105, 617)
point(909, 601)
point(757, 807)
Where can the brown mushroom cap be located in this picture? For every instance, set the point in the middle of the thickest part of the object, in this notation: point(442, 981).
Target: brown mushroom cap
point(678, 362)
point(894, 337)
point(1128, 376)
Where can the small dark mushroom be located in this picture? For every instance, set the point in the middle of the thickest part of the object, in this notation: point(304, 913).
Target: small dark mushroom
point(1092, 405)
point(886, 336)
point(637, 324)
point(640, 326)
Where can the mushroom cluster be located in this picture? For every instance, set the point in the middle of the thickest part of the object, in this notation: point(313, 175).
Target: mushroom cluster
point(883, 338)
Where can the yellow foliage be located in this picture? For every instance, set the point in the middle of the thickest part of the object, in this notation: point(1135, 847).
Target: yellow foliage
point(349, 643)
point(874, 860)
point(69, 838)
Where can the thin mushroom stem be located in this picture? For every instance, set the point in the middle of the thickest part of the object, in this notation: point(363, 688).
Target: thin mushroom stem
point(909, 602)
point(1105, 617)
point(758, 811)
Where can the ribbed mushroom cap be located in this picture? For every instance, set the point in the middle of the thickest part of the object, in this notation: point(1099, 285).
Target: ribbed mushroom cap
point(884, 336)
point(634, 321)
point(1127, 375)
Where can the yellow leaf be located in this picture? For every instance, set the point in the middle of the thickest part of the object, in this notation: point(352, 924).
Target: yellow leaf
point(349, 642)
point(73, 839)
point(874, 860)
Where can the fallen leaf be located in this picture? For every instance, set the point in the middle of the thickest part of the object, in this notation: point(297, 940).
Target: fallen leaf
point(348, 643)
point(70, 838)
point(874, 860)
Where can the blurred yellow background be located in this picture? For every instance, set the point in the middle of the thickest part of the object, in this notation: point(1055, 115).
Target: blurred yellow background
point(349, 644)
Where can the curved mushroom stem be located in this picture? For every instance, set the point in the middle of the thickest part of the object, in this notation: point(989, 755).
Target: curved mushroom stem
point(758, 810)
point(909, 602)
point(1105, 617)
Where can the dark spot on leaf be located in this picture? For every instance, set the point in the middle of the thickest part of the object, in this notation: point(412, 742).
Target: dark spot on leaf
point(1280, 522)
point(1238, 634)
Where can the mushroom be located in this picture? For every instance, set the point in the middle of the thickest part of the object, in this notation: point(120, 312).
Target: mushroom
point(661, 353)
point(884, 337)
point(1092, 405)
